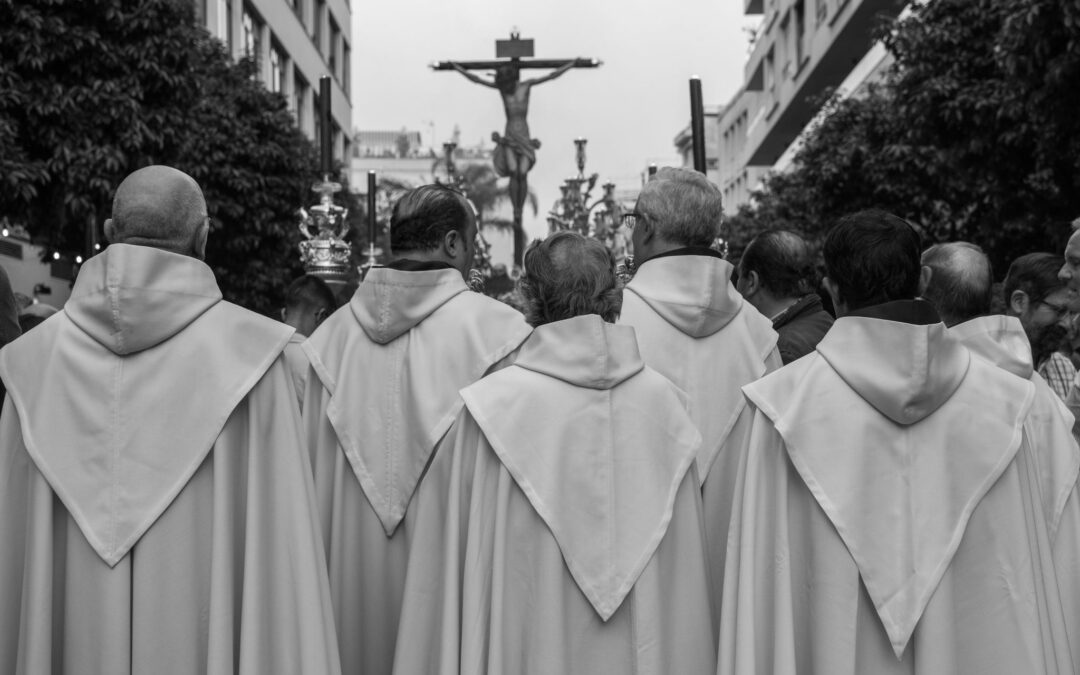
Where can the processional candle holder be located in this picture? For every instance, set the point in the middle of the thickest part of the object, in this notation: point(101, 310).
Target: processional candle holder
point(324, 251)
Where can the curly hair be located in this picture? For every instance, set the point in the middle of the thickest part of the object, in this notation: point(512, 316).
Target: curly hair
point(568, 275)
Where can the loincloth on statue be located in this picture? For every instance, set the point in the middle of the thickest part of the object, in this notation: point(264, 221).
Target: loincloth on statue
point(523, 147)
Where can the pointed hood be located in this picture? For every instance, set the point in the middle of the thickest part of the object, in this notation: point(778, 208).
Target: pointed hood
point(584, 351)
point(614, 462)
point(131, 298)
point(691, 292)
point(390, 302)
point(869, 422)
point(121, 396)
point(1001, 340)
point(392, 398)
point(905, 371)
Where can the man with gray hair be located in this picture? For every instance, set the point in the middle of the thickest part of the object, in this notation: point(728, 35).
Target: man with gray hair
point(386, 371)
point(561, 516)
point(694, 327)
point(155, 502)
point(776, 275)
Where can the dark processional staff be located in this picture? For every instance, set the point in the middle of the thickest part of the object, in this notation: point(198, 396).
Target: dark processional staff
point(515, 151)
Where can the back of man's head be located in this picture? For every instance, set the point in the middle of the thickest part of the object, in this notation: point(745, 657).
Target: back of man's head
point(783, 262)
point(1034, 274)
point(160, 207)
point(308, 300)
point(961, 282)
point(871, 257)
point(423, 216)
point(568, 275)
point(683, 205)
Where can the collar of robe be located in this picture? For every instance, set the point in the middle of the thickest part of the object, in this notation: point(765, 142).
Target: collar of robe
point(390, 302)
point(122, 394)
point(599, 454)
point(693, 293)
point(695, 329)
point(1000, 340)
point(898, 433)
point(391, 400)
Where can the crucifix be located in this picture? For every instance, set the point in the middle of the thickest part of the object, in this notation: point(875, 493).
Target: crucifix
point(515, 149)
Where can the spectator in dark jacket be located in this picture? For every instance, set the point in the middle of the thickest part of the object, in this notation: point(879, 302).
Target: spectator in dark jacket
point(776, 275)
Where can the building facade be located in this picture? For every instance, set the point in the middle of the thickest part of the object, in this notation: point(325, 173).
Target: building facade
point(801, 50)
point(294, 43)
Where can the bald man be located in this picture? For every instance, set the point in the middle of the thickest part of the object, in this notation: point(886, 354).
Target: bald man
point(155, 505)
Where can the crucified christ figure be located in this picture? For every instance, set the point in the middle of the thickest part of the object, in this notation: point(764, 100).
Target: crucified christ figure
point(515, 151)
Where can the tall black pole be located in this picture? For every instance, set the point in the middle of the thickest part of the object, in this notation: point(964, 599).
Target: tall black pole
point(371, 207)
point(697, 124)
point(326, 145)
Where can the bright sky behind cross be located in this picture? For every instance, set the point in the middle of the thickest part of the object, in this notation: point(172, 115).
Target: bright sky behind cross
point(630, 109)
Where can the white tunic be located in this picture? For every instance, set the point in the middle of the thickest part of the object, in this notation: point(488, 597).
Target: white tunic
point(890, 517)
point(386, 371)
point(155, 508)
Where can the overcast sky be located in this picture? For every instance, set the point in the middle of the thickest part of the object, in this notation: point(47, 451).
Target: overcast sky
point(630, 109)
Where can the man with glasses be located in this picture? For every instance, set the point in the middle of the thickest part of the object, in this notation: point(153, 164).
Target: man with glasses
point(695, 328)
point(1035, 294)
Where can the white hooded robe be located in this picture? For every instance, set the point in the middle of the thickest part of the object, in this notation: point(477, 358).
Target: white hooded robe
point(695, 329)
point(387, 369)
point(561, 521)
point(891, 516)
point(156, 511)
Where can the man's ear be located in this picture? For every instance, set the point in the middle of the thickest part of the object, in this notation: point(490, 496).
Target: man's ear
point(198, 246)
point(285, 315)
point(321, 314)
point(750, 282)
point(1019, 302)
point(834, 292)
point(110, 231)
point(925, 274)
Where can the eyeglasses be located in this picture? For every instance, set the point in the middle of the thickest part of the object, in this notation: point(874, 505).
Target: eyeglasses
point(1059, 310)
point(630, 219)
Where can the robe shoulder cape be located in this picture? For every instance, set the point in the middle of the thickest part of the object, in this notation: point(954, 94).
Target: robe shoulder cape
point(890, 517)
point(559, 528)
point(154, 505)
point(386, 370)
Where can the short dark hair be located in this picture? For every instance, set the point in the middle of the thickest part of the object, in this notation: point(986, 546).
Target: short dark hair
point(961, 281)
point(783, 261)
point(1036, 274)
point(310, 291)
point(873, 257)
point(568, 275)
point(423, 216)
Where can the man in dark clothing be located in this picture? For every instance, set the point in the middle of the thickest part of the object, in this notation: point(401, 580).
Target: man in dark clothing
point(775, 276)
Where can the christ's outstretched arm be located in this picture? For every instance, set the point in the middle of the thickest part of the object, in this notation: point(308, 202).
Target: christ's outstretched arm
point(553, 74)
point(475, 78)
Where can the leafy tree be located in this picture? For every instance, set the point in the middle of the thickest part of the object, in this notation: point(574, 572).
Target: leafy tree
point(973, 135)
point(91, 90)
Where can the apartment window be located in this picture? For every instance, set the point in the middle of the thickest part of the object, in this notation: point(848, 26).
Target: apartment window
point(770, 68)
point(800, 33)
point(335, 41)
point(225, 22)
point(277, 70)
point(300, 88)
point(821, 10)
point(316, 24)
point(252, 28)
point(346, 75)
